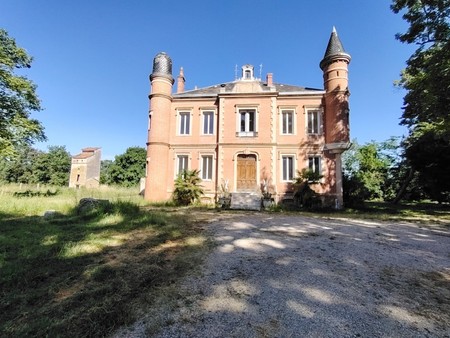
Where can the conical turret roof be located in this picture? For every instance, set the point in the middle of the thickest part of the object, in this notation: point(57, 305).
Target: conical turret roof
point(334, 50)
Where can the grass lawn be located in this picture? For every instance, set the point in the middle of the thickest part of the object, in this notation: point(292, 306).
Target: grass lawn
point(87, 274)
point(423, 212)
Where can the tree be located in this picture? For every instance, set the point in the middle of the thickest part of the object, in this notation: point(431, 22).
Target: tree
point(104, 171)
point(127, 168)
point(427, 102)
point(187, 187)
point(18, 99)
point(52, 167)
point(369, 171)
point(19, 169)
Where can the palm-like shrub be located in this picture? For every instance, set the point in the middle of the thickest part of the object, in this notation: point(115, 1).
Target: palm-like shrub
point(187, 187)
point(304, 195)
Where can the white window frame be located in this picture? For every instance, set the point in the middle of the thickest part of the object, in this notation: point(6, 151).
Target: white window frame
point(284, 113)
point(316, 113)
point(315, 167)
point(180, 167)
point(247, 122)
point(184, 130)
point(208, 122)
point(285, 170)
point(209, 174)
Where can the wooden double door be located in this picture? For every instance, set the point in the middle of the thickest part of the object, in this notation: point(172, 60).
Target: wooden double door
point(246, 172)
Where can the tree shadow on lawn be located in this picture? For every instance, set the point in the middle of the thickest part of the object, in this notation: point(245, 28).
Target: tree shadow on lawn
point(86, 275)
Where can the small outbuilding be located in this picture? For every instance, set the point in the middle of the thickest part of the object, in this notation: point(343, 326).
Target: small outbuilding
point(85, 169)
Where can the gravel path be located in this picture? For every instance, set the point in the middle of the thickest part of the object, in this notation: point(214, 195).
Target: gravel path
point(294, 276)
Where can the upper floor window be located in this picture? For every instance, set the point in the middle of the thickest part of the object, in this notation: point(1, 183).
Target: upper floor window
point(184, 123)
point(207, 167)
point(314, 121)
point(287, 167)
point(208, 123)
point(247, 122)
point(287, 122)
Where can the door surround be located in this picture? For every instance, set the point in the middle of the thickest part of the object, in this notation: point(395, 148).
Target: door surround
point(246, 171)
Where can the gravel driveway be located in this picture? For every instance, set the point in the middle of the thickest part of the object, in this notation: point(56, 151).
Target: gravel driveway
point(295, 276)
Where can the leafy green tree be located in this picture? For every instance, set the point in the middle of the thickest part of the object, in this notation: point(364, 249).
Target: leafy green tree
point(128, 168)
point(427, 102)
point(434, 173)
point(52, 167)
point(104, 171)
point(187, 187)
point(18, 99)
point(369, 171)
point(19, 169)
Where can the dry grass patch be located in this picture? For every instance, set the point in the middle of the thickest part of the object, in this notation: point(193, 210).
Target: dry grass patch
point(87, 275)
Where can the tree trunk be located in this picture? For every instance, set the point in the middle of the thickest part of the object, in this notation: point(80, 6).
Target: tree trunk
point(405, 184)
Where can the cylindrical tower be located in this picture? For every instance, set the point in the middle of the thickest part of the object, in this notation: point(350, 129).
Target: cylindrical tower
point(336, 109)
point(335, 76)
point(158, 129)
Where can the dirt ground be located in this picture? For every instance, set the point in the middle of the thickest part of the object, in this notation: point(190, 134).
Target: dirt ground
point(295, 276)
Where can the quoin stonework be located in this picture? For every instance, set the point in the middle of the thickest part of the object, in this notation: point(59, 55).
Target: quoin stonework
point(85, 168)
point(249, 134)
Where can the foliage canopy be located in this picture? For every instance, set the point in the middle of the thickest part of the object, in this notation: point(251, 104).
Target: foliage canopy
point(127, 168)
point(18, 99)
point(426, 110)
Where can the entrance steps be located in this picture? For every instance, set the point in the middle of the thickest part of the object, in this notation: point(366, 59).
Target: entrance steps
point(245, 201)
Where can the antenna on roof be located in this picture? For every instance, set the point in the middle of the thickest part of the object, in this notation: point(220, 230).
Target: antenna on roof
point(260, 71)
point(235, 72)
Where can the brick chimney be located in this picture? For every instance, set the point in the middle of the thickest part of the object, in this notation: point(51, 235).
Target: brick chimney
point(269, 79)
point(181, 80)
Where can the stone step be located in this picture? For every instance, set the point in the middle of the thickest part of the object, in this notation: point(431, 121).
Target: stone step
point(245, 201)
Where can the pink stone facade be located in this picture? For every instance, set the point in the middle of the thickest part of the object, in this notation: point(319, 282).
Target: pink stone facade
point(249, 134)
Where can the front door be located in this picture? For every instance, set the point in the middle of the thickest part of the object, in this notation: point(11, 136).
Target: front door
point(246, 172)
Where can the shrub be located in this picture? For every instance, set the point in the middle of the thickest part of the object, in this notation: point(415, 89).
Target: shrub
point(187, 187)
point(304, 195)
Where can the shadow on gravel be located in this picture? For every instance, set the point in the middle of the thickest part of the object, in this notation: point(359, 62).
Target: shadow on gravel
point(304, 277)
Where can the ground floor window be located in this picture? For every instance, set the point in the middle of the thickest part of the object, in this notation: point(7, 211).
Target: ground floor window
point(183, 163)
point(287, 168)
point(314, 164)
point(207, 167)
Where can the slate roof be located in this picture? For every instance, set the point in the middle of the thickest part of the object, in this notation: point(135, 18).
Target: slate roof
point(228, 88)
point(334, 50)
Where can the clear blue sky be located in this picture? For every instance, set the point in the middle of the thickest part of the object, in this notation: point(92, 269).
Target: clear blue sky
point(92, 58)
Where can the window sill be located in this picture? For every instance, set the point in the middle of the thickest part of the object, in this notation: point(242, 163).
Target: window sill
point(246, 134)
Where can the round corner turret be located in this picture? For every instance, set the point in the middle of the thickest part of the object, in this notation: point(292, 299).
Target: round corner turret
point(335, 51)
point(162, 67)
